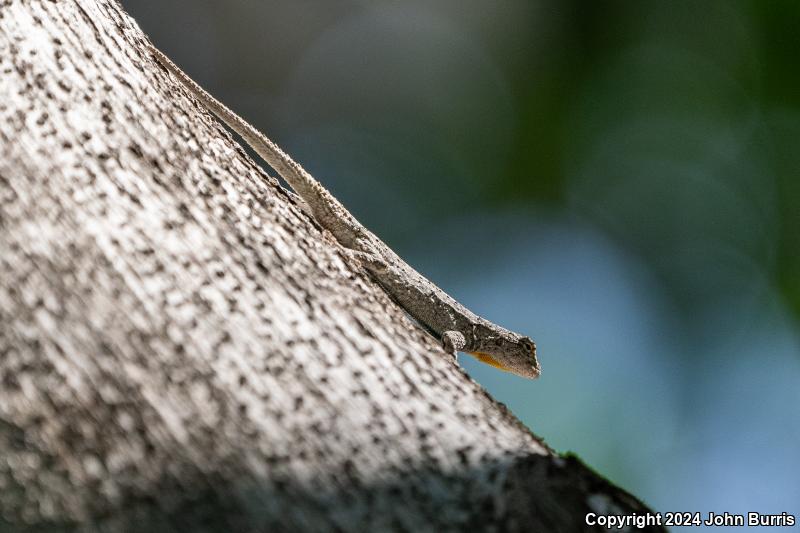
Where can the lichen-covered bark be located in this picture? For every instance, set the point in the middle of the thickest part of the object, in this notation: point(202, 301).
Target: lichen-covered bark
point(183, 349)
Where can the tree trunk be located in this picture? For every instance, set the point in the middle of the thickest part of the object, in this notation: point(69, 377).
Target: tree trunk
point(184, 349)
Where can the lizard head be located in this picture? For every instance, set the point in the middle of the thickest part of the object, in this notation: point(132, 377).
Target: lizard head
point(511, 353)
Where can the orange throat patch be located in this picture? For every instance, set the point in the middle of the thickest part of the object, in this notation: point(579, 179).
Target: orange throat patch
point(488, 359)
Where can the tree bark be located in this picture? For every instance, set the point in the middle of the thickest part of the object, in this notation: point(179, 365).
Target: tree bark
point(184, 349)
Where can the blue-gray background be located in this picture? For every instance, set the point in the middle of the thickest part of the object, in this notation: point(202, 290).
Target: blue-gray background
point(620, 180)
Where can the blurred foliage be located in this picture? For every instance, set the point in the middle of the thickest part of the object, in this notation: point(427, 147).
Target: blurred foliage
point(693, 74)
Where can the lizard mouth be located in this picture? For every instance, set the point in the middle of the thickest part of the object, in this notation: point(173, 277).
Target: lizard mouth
point(488, 359)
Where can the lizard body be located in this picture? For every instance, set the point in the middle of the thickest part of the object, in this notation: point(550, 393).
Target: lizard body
point(457, 327)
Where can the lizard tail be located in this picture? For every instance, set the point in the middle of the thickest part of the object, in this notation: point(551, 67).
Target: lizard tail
point(326, 208)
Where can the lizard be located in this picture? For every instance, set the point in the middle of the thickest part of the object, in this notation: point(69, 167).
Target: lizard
point(458, 328)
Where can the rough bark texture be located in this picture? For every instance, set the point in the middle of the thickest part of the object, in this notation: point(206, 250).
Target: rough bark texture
point(182, 348)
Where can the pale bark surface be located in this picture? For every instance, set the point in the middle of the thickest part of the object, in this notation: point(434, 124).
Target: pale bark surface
point(182, 348)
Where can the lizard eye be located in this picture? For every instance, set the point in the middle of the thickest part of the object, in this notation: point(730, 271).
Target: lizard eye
point(528, 345)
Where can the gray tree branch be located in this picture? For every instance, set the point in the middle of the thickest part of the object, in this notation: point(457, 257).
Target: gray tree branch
point(183, 349)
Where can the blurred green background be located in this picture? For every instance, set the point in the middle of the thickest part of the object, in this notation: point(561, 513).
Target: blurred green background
point(620, 180)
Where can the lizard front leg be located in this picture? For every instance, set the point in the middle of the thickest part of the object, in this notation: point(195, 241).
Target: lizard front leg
point(453, 341)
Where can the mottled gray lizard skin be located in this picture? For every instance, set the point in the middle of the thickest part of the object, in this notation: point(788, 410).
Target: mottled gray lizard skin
point(457, 327)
